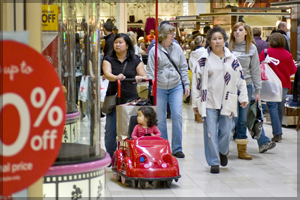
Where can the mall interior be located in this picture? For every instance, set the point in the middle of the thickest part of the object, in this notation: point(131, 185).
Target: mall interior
point(70, 35)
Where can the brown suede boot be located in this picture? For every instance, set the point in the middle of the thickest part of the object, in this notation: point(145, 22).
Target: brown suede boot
point(198, 118)
point(242, 147)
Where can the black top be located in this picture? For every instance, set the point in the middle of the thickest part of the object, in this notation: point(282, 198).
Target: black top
point(296, 87)
point(109, 44)
point(128, 89)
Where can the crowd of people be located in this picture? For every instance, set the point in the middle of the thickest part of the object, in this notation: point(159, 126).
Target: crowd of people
point(225, 74)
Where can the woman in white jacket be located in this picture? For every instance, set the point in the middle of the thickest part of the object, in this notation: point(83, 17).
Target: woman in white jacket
point(217, 85)
point(197, 50)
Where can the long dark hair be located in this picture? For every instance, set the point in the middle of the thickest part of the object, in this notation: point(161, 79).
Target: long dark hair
point(130, 50)
point(149, 114)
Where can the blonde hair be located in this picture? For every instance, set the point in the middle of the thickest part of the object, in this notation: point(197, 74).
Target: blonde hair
point(132, 37)
point(164, 31)
point(248, 37)
point(196, 42)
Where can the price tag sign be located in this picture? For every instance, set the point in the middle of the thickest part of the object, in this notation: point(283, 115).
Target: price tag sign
point(32, 116)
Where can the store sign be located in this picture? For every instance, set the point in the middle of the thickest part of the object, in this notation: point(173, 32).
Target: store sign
point(32, 112)
point(257, 3)
point(49, 17)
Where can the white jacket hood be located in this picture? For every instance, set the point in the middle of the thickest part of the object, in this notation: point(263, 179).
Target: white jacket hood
point(194, 57)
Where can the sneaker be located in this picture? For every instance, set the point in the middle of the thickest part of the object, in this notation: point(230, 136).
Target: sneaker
point(179, 154)
point(223, 159)
point(214, 169)
point(265, 147)
point(277, 137)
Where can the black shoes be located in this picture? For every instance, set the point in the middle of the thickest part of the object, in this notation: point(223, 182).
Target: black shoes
point(223, 160)
point(214, 169)
point(277, 137)
point(179, 154)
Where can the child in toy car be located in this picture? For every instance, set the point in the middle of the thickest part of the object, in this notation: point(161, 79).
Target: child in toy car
point(147, 123)
point(145, 159)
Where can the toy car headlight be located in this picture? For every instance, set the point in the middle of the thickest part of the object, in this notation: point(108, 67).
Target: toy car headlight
point(142, 159)
point(167, 158)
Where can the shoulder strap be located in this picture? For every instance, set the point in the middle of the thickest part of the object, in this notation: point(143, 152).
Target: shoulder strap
point(172, 62)
point(125, 65)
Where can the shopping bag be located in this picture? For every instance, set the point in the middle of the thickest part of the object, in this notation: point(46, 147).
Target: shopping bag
point(255, 120)
point(103, 88)
point(271, 90)
point(83, 89)
point(124, 112)
point(263, 72)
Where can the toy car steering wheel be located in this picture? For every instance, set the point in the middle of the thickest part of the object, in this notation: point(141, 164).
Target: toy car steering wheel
point(147, 134)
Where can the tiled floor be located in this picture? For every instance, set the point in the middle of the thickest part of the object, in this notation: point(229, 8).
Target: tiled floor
point(271, 174)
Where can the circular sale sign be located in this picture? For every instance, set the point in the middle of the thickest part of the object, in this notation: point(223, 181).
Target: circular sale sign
point(32, 116)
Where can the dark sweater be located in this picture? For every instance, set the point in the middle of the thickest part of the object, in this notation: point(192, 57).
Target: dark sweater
point(261, 44)
point(109, 44)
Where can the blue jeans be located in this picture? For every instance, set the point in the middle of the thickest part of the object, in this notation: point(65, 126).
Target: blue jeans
point(217, 135)
point(241, 122)
point(110, 134)
point(276, 113)
point(174, 98)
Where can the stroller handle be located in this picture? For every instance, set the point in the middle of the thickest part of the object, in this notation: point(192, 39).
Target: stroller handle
point(133, 80)
point(151, 82)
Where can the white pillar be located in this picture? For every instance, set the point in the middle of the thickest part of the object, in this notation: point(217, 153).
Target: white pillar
point(121, 16)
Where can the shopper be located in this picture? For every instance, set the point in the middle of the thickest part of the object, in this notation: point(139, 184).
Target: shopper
point(218, 78)
point(282, 28)
point(241, 45)
point(283, 70)
point(109, 38)
point(137, 50)
point(150, 37)
point(169, 84)
point(141, 44)
point(152, 43)
point(123, 52)
point(260, 44)
point(197, 48)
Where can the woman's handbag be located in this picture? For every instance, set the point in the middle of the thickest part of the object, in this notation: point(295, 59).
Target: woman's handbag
point(109, 103)
point(111, 100)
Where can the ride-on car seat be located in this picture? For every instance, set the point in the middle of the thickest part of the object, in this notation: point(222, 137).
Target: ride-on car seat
point(132, 123)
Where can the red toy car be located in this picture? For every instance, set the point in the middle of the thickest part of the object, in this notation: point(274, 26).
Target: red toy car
point(145, 159)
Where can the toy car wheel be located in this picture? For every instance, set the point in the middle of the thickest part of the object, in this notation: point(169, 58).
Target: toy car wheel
point(169, 183)
point(135, 183)
point(142, 184)
point(118, 178)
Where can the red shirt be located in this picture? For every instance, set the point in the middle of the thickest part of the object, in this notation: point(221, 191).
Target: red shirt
point(149, 38)
point(286, 66)
point(139, 131)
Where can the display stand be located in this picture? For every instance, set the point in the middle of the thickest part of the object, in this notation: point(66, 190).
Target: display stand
point(78, 180)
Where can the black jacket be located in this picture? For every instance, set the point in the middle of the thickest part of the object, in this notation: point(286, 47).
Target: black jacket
point(286, 42)
point(109, 44)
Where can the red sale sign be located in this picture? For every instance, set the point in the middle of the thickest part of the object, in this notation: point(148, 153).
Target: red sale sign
point(32, 112)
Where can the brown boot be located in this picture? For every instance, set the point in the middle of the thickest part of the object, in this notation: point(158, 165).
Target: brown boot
point(242, 147)
point(198, 118)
